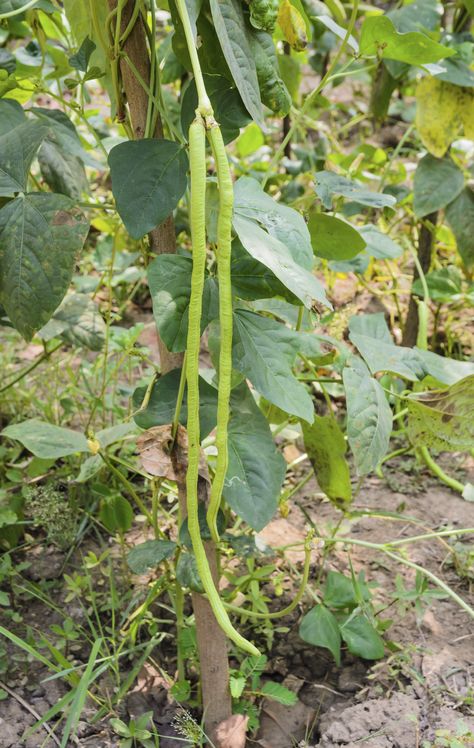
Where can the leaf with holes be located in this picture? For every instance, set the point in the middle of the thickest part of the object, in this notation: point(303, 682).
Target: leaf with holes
point(443, 419)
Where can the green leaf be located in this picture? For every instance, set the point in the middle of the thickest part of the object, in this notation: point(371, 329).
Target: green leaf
point(371, 325)
point(47, 440)
point(326, 447)
point(437, 182)
point(443, 419)
point(228, 107)
point(379, 245)
point(162, 404)
point(149, 554)
point(340, 592)
point(454, 70)
point(320, 628)
point(369, 418)
point(89, 468)
point(333, 238)
point(78, 321)
point(80, 60)
point(17, 150)
point(62, 171)
point(40, 236)
point(256, 469)
point(379, 37)
point(371, 337)
point(11, 115)
point(362, 639)
point(169, 278)
point(460, 216)
point(116, 514)
point(278, 692)
point(419, 15)
point(329, 184)
point(187, 573)
point(272, 253)
point(445, 370)
point(253, 280)
point(282, 222)
point(444, 285)
point(63, 133)
point(114, 434)
point(265, 350)
point(148, 179)
point(229, 24)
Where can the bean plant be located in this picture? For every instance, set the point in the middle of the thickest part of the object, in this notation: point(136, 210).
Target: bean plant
point(187, 152)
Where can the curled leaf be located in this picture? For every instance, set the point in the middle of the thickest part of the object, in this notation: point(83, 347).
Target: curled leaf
point(293, 26)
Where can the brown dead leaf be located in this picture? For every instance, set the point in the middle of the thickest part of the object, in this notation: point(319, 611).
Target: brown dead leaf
point(291, 453)
point(232, 732)
point(160, 457)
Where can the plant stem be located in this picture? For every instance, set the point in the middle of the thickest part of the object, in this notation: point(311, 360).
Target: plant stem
point(204, 104)
point(435, 468)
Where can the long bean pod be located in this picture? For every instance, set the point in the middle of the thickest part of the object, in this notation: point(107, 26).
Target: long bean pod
point(224, 226)
point(197, 142)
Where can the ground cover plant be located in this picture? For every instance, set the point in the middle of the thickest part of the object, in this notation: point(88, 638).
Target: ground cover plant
point(237, 401)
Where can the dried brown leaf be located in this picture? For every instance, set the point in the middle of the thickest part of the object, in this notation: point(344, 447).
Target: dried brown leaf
point(163, 458)
point(232, 732)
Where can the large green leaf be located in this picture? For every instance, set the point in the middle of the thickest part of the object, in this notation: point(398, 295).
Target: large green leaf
point(253, 280)
point(169, 278)
point(437, 182)
point(148, 179)
point(443, 419)
point(379, 245)
point(320, 628)
point(149, 554)
point(77, 320)
point(265, 351)
point(18, 148)
point(11, 115)
point(226, 102)
point(371, 336)
point(369, 418)
point(40, 237)
point(326, 448)
point(256, 469)
point(229, 23)
point(272, 253)
point(333, 238)
point(460, 216)
point(62, 171)
point(329, 184)
point(445, 370)
point(281, 221)
point(419, 15)
point(46, 440)
point(362, 639)
point(379, 37)
point(161, 405)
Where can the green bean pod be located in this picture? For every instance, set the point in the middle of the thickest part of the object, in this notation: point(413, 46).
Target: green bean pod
point(197, 154)
point(224, 241)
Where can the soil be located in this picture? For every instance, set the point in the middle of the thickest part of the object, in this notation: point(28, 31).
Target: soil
point(424, 685)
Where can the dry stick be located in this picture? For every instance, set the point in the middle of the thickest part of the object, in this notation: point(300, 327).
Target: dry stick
point(32, 711)
point(211, 640)
point(425, 248)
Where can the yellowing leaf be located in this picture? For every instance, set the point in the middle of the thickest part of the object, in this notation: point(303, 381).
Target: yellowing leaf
point(293, 26)
point(443, 112)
